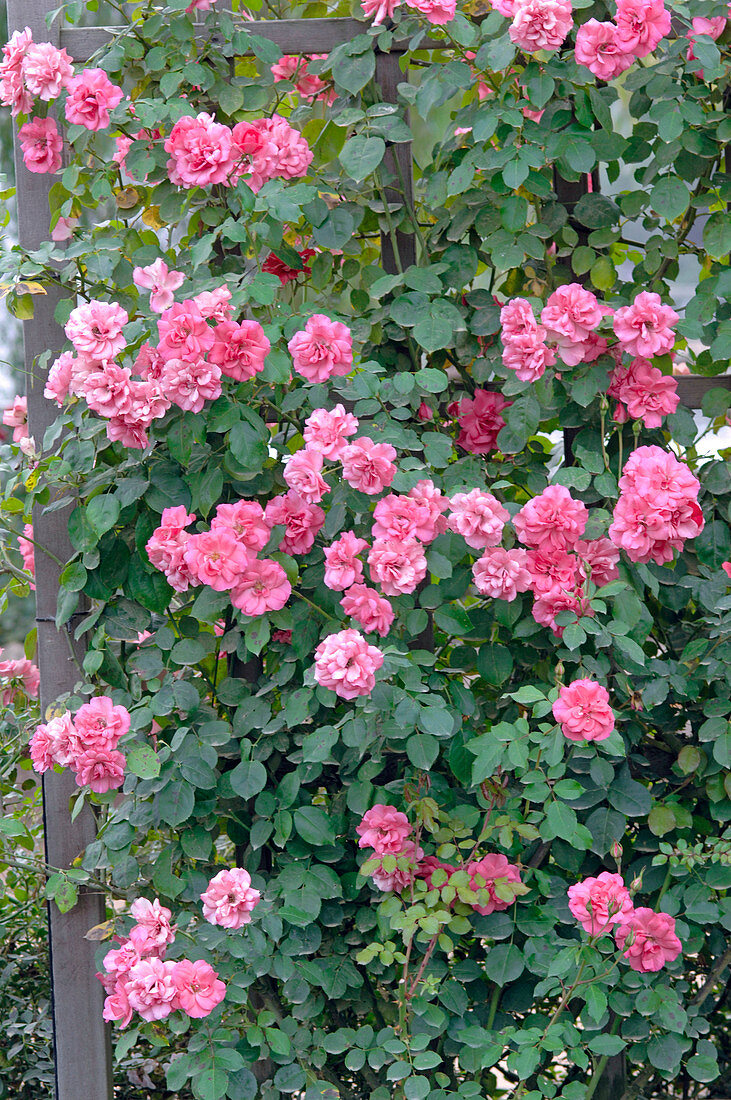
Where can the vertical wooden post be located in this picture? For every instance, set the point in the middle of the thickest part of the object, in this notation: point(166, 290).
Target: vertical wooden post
point(398, 165)
point(82, 1049)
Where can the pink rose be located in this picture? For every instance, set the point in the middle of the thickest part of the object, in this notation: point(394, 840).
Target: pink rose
point(501, 574)
point(166, 547)
point(551, 521)
point(117, 1008)
point(13, 91)
point(282, 152)
point(100, 724)
point(46, 70)
point(403, 517)
point(478, 516)
point(380, 9)
point(598, 903)
point(152, 931)
point(403, 875)
point(41, 144)
point(239, 350)
point(189, 384)
point(245, 518)
point(598, 49)
point(645, 327)
point(201, 152)
point(323, 349)
point(26, 546)
point(229, 899)
point(426, 493)
point(163, 283)
point(53, 742)
point(648, 393)
point(598, 561)
point(373, 612)
point(108, 391)
point(184, 333)
point(16, 417)
point(261, 586)
point(528, 356)
point(383, 828)
point(346, 663)
point(91, 97)
point(570, 316)
point(59, 378)
point(150, 988)
point(489, 873)
point(301, 521)
point(100, 769)
point(327, 430)
point(397, 565)
point(583, 711)
point(648, 940)
point(95, 329)
point(438, 12)
point(517, 319)
point(214, 305)
point(540, 24)
point(640, 26)
point(198, 987)
point(216, 558)
point(480, 421)
point(369, 466)
point(342, 566)
point(302, 472)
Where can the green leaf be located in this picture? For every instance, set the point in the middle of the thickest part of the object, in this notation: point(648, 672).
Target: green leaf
point(504, 963)
point(142, 760)
point(361, 155)
point(494, 663)
point(422, 750)
point(66, 895)
point(211, 1084)
point(717, 235)
point(433, 332)
point(314, 825)
point(607, 1044)
point(175, 801)
point(353, 73)
point(102, 513)
point(453, 620)
point(248, 778)
point(703, 1067)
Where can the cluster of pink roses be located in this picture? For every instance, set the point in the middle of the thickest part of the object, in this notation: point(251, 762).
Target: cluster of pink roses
point(438, 12)
point(583, 711)
point(568, 327)
point(295, 70)
point(38, 70)
point(205, 152)
point(198, 343)
point(18, 675)
point(603, 904)
point(86, 743)
point(657, 508)
point(608, 49)
point(397, 860)
point(137, 978)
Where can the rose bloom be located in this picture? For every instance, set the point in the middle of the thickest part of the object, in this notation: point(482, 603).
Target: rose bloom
point(383, 828)
point(645, 327)
point(641, 24)
point(327, 430)
point(160, 281)
point(599, 559)
point(369, 466)
point(41, 144)
point(372, 611)
point(540, 24)
point(214, 305)
point(91, 97)
point(286, 274)
point(402, 517)
point(438, 12)
point(648, 393)
point(216, 558)
point(583, 711)
point(598, 49)
point(301, 521)
point(528, 356)
point(95, 329)
point(117, 962)
point(403, 875)
point(346, 664)
point(479, 517)
point(480, 421)
point(152, 931)
point(100, 724)
point(189, 384)
point(282, 154)
point(27, 550)
point(302, 473)
point(551, 521)
point(323, 349)
point(198, 987)
point(546, 607)
point(201, 152)
point(108, 391)
point(485, 873)
point(397, 565)
point(380, 9)
point(239, 350)
point(570, 316)
point(16, 417)
point(100, 769)
point(245, 518)
point(54, 742)
point(150, 988)
point(501, 574)
point(117, 1008)
point(46, 70)
point(229, 898)
point(597, 903)
point(342, 565)
point(653, 937)
point(13, 92)
point(429, 865)
point(426, 493)
point(59, 378)
point(517, 319)
point(184, 333)
point(261, 586)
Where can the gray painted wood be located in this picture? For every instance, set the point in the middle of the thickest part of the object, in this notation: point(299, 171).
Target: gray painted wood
point(398, 170)
point(82, 1050)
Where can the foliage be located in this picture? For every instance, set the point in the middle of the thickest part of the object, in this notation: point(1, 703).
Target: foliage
point(335, 987)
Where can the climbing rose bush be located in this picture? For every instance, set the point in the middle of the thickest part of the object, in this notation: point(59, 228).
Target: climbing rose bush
point(401, 564)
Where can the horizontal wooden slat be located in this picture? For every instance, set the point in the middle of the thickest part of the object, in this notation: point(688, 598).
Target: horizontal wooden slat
point(692, 387)
point(293, 36)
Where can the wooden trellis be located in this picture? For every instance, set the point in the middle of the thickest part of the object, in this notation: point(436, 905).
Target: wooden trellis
point(82, 1049)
